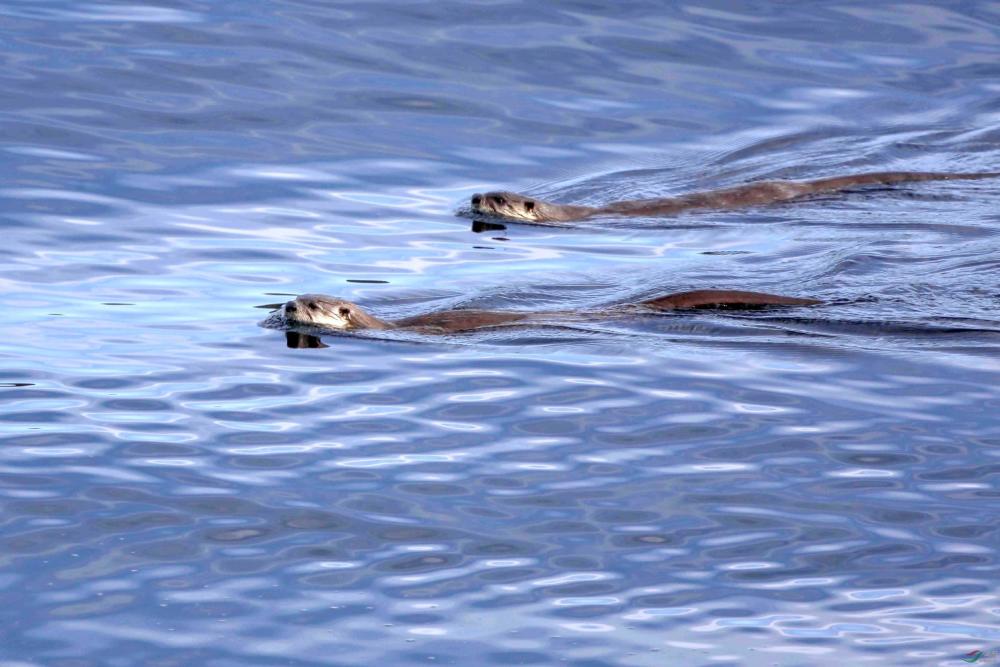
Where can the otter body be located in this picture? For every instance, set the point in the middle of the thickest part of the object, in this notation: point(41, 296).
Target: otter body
point(327, 312)
point(519, 207)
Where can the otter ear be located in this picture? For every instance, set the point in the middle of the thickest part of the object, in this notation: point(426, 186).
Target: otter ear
point(529, 206)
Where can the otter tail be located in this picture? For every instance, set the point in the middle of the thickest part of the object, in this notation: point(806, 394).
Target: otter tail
point(717, 298)
point(891, 178)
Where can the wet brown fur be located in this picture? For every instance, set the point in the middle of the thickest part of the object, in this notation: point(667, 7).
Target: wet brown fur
point(520, 207)
point(455, 321)
point(447, 321)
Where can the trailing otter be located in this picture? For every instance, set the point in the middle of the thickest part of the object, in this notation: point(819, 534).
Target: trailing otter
point(519, 207)
point(331, 313)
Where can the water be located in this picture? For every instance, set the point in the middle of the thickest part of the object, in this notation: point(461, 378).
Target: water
point(799, 487)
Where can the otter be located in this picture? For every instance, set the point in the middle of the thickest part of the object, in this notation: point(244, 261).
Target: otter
point(330, 313)
point(520, 207)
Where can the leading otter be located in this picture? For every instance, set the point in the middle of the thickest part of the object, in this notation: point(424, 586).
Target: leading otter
point(519, 207)
point(327, 312)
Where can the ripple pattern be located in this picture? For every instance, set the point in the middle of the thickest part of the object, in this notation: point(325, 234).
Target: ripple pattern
point(801, 487)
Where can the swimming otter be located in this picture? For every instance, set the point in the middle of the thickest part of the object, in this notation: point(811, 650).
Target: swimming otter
point(520, 207)
point(327, 312)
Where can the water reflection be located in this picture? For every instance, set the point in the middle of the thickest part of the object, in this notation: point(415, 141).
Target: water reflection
point(297, 340)
point(481, 226)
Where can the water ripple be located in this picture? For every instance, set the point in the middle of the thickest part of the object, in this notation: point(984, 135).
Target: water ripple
point(693, 488)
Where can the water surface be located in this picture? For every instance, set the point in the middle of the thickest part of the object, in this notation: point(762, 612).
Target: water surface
point(796, 487)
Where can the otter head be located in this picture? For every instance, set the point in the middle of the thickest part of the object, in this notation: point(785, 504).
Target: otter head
point(327, 312)
point(509, 205)
point(518, 207)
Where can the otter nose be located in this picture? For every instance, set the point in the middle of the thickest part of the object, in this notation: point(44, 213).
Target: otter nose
point(477, 199)
point(290, 307)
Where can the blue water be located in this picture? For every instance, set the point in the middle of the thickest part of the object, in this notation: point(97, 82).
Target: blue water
point(800, 487)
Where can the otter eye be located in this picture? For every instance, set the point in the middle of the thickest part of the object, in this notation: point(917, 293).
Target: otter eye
point(344, 311)
point(311, 305)
point(529, 206)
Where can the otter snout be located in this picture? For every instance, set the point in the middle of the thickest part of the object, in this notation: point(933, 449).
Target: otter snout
point(290, 308)
point(477, 199)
